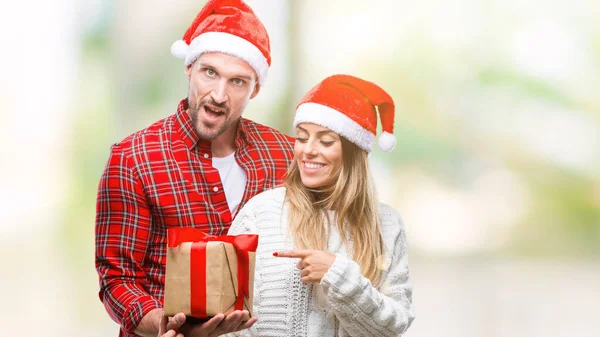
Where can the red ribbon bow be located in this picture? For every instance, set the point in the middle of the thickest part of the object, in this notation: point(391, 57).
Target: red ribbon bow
point(242, 243)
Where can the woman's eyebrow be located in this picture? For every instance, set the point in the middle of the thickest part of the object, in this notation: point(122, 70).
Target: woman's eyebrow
point(318, 132)
point(326, 132)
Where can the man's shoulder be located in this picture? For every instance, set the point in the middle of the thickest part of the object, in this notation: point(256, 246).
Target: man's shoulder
point(264, 133)
point(153, 134)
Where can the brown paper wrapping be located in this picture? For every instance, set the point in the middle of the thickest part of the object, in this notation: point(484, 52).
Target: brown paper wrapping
point(221, 279)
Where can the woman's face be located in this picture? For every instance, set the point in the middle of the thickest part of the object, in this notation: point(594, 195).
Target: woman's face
point(318, 152)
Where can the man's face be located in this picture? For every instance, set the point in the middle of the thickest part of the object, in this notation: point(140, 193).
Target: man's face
point(220, 87)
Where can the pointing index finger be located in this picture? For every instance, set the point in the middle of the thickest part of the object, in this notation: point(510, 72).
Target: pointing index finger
point(293, 253)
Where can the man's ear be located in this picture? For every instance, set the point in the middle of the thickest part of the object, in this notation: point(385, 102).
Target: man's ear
point(188, 71)
point(256, 90)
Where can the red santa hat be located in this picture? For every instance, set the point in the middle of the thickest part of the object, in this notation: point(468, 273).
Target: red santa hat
point(348, 106)
point(230, 27)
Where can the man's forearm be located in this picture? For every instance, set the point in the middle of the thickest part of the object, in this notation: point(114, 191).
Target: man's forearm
point(149, 324)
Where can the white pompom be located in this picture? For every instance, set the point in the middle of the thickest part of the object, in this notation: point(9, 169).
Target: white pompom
point(386, 141)
point(179, 49)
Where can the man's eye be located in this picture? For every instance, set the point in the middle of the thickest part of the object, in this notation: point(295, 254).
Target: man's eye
point(210, 72)
point(238, 81)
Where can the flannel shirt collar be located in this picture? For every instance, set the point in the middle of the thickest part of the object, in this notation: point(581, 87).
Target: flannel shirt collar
point(185, 130)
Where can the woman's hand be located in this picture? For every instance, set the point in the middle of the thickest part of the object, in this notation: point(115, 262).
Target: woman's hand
point(313, 264)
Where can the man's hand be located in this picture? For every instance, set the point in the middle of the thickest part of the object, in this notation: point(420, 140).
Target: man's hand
point(216, 326)
point(313, 264)
point(169, 325)
point(150, 323)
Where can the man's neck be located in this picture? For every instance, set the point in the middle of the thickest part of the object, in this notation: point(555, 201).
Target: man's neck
point(224, 144)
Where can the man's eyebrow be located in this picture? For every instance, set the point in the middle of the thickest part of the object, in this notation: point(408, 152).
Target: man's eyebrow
point(243, 77)
point(240, 76)
point(204, 65)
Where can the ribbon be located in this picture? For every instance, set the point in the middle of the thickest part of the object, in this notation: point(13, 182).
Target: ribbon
point(242, 243)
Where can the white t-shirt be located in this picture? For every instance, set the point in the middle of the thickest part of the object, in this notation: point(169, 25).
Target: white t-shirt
point(233, 178)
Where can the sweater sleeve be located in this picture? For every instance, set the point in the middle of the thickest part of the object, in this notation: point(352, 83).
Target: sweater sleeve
point(364, 310)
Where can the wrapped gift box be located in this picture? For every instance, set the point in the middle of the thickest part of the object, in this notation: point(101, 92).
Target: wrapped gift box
point(207, 275)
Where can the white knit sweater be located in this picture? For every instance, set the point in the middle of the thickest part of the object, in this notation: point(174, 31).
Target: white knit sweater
point(344, 303)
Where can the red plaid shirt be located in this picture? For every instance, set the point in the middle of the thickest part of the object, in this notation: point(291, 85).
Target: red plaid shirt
point(162, 177)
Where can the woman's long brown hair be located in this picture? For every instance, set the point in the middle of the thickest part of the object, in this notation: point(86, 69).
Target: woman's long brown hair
point(356, 211)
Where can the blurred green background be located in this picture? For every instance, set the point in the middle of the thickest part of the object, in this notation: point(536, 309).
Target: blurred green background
point(496, 171)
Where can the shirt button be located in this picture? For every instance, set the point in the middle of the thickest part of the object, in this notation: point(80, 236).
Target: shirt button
point(216, 189)
point(206, 155)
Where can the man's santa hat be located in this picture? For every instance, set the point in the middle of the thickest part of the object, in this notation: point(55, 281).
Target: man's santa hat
point(348, 106)
point(230, 27)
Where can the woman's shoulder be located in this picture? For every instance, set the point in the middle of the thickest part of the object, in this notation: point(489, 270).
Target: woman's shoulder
point(273, 196)
point(258, 209)
point(392, 229)
point(390, 218)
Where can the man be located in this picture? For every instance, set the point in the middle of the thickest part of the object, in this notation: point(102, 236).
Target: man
point(194, 168)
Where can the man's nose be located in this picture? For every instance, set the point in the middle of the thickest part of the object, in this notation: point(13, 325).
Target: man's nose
point(219, 92)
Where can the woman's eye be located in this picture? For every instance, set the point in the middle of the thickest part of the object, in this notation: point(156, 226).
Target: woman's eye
point(301, 140)
point(327, 143)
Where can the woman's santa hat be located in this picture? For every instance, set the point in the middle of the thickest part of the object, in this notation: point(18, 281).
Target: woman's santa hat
point(230, 27)
point(348, 106)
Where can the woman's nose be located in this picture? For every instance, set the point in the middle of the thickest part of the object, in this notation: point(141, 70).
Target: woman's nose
point(310, 148)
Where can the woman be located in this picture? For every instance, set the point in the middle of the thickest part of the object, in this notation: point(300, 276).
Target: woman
point(320, 282)
point(331, 260)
